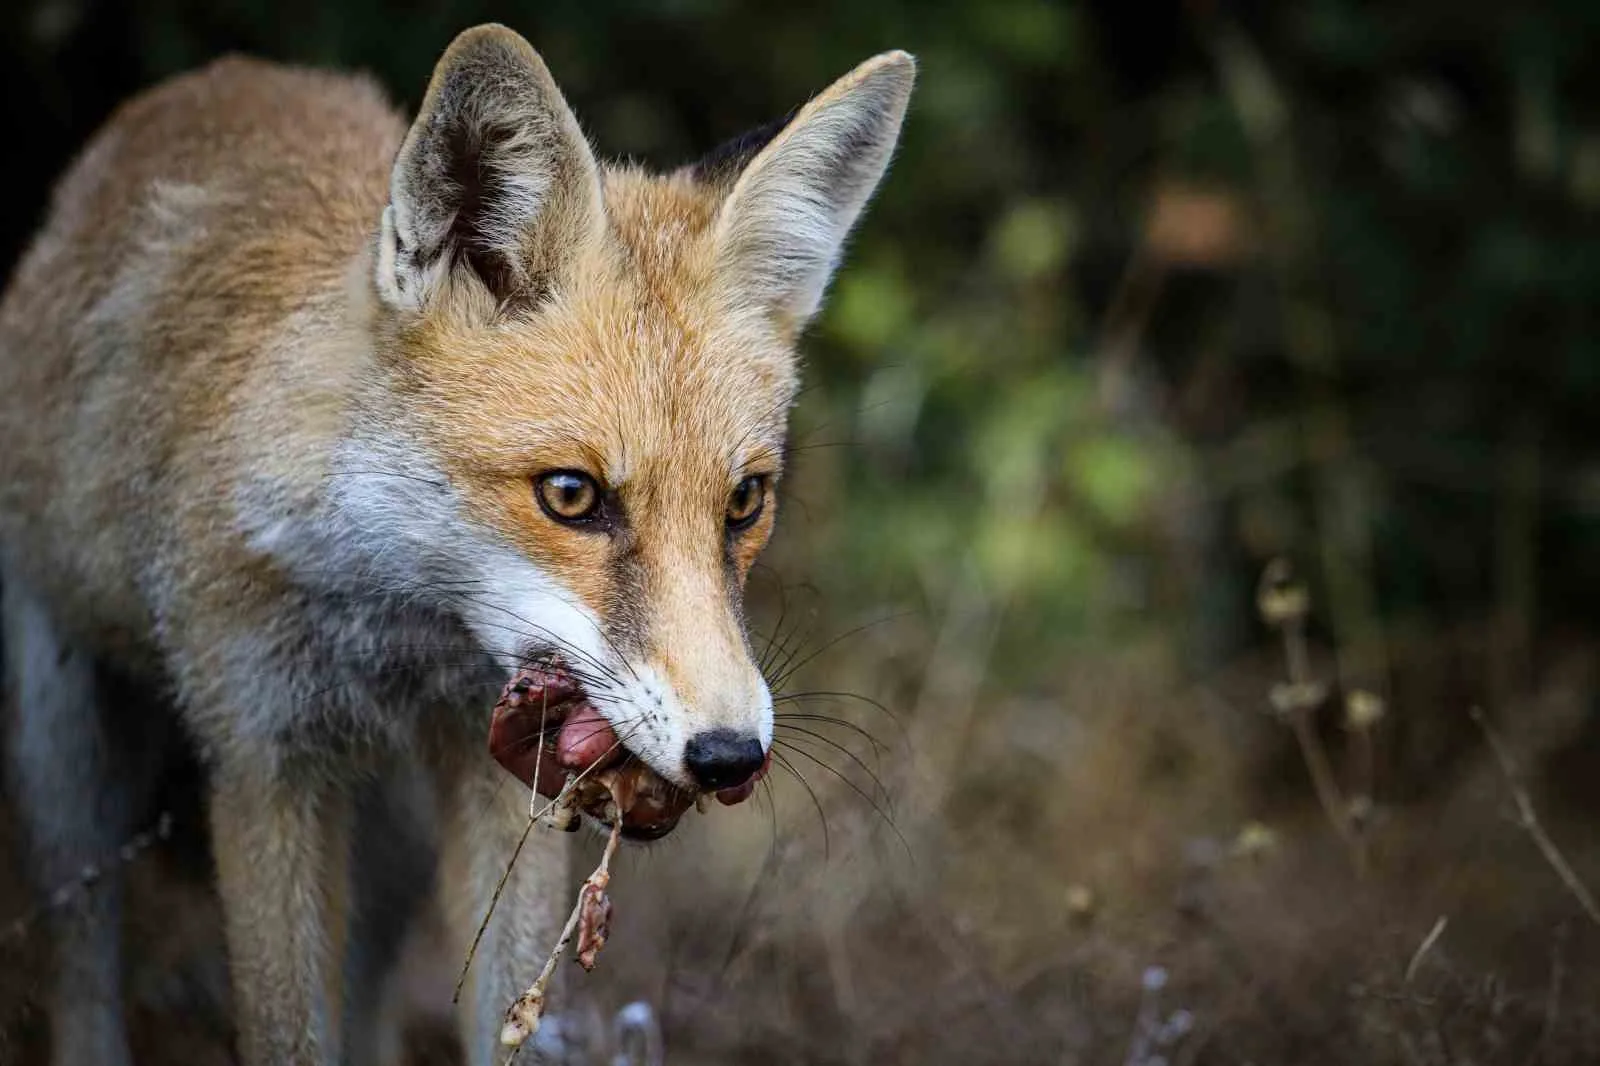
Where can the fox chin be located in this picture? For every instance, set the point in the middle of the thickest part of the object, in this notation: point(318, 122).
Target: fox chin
point(323, 426)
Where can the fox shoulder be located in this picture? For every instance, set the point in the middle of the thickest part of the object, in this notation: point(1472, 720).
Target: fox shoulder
point(208, 220)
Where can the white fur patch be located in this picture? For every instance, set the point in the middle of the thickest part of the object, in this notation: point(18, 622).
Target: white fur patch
point(653, 723)
point(656, 725)
point(528, 609)
point(396, 523)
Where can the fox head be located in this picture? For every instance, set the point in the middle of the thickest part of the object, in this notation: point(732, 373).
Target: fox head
point(591, 369)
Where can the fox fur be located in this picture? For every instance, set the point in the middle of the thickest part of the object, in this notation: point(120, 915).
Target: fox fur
point(277, 379)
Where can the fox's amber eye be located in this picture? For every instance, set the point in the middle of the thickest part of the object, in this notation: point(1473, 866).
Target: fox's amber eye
point(746, 502)
point(568, 496)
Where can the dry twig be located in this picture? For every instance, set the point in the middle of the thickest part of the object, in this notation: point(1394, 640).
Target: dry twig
point(522, 1019)
point(1426, 946)
point(1529, 819)
point(534, 814)
point(516, 852)
point(1284, 604)
point(63, 895)
point(1552, 999)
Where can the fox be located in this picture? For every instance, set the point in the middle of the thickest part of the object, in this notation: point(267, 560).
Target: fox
point(323, 425)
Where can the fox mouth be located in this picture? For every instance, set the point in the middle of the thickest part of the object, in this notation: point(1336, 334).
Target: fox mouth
point(548, 733)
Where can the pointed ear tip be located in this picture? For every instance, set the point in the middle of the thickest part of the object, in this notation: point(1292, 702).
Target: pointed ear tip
point(895, 70)
point(488, 37)
point(896, 61)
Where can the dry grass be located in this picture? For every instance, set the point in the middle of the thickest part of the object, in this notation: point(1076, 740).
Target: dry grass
point(1131, 868)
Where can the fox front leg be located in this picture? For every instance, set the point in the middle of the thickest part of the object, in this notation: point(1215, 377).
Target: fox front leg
point(281, 846)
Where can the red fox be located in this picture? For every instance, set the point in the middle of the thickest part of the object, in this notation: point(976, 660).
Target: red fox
point(324, 426)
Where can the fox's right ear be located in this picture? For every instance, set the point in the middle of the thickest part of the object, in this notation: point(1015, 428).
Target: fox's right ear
point(783, 224)
point(494, 184)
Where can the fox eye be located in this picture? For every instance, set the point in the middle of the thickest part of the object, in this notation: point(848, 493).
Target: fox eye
point(746, 502)
point(568, 496)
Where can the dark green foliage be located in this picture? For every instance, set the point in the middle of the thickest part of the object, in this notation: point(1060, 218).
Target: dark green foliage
point(1424, 208)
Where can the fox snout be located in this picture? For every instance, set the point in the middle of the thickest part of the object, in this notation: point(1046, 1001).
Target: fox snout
point(723, 758)
point(726, 738)
point(700, 716)
point(715, 706)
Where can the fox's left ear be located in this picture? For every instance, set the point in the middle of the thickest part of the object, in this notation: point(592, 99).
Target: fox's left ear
point(494, 186)
point(782, 227)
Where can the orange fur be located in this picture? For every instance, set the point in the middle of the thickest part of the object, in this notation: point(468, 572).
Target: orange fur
point(277, 379)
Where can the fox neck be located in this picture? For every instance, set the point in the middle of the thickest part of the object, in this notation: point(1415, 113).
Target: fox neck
point(348, 509)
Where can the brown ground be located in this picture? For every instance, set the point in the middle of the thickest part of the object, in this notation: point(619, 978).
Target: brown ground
point(1131, 869)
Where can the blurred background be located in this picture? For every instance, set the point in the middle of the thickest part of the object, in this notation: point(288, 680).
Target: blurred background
point(1202, 429)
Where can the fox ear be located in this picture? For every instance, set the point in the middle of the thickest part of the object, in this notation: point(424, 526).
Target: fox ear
point(494, 183)
point(782, 227)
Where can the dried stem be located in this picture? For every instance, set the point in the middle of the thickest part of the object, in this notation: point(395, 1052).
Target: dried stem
point(522, 1019)
point(1341, 484)
point(1529, 819)
point(1364, 772)
point(1284, 605)
point(1327, 788)
point(516, 852)
point(494, 900)
point(1426, 946)
point(1302, 719)
point(64, 894)
point(505, 875)
point(1552, 999)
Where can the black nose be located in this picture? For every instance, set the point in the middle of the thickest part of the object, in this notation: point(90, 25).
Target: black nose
point(722, 758)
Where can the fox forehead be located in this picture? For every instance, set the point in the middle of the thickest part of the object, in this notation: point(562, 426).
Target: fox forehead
point(641, 362)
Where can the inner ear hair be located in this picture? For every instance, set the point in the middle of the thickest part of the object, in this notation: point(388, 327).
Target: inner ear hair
point(494, 184)
point(801, 185)
point(476, 184)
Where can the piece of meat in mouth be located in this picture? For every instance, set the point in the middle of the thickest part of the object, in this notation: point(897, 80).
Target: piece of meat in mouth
point(577, 740)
